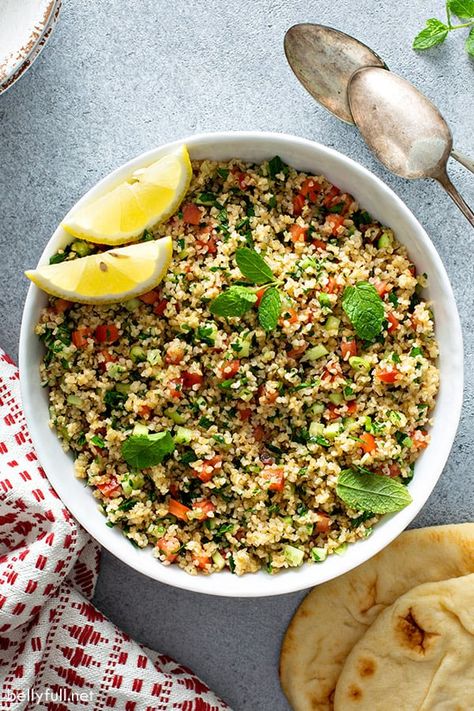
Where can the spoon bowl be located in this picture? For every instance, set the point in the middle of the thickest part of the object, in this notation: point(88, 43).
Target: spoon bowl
point(403, 128)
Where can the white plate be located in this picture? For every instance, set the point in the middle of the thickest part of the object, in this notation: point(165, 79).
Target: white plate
point(25, 26)
point(383, 204)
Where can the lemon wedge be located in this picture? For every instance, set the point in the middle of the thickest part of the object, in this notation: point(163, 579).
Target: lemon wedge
point(107, 277)
point(149, 196)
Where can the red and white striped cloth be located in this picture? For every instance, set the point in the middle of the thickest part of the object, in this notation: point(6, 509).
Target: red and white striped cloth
point(57, 652)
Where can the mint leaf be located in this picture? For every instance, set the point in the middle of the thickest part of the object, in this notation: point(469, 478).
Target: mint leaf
point(434, 33)
point(470, 42)
point(365, 310)
point(147, 450)
point(366, 491)
point(462, 8)
point(269, 309)
point(234, 302)
point(253, 266)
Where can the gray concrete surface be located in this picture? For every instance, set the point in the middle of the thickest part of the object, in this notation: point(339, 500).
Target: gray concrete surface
point(119, 77)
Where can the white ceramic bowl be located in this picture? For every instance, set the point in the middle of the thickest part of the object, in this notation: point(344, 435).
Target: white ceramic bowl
point(381, 202)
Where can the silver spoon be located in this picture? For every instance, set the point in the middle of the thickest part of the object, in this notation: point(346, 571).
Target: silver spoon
point(403, 128)
point(324, 60)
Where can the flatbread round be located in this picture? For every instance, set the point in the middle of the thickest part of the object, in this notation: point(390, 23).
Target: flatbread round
point(335, 615)
point(418, 655)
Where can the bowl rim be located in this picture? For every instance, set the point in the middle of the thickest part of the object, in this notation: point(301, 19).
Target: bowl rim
point(290, 580)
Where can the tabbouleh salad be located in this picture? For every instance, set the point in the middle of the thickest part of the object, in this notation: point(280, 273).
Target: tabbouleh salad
point(266, 403)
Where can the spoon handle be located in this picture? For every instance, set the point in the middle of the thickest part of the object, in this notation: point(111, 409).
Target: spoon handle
point(464, 160)
point(456, 197)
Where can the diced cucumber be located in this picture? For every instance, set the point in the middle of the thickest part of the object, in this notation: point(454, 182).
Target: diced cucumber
point(397, 418)
point(350, 424)
point(74, 400)
point(175, 416)
point(115, 370)
point(332, 324)
point(332, 430)
point(137, 480)
point(137, 354)
point(242, 345)
point(81, 248)
point(140, 429)
point(319, 554)
point(316, 429)
point(325, 299)
point(183, 435)
point(218, 560)
point(336, 398)
point(317, 408)
point(155, 530)
point(359, 364)
point(316, 352)
point(153, 356)
point(340, 550)
point(293, 556)
point(127, 487)
point(384, 241)
point(132, 304)
point(123, 388)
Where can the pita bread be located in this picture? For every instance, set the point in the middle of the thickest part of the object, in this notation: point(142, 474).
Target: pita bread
point(335, 615)
point(417, 655)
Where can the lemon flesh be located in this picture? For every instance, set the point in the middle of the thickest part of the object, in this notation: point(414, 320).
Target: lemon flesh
point(149, 196)
point(107, 277)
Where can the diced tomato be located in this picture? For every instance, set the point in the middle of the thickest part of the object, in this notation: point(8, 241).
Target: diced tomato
point(276, 478)
point(332, 412)
point(150, 297)
point(204, 507)
point(419, 439)
point(290, 315)
point(241, 178)
point(258, 433)
point(79, 337)
point(259, 295)
point(229, 369)
point(393, 470)
point(332, 372)
point(297, 352)
point(298, 204)
point(169, 547)
point(160, 307)
point(107, 357)
point(348, 349)
point(351, 407)
point(174, 386)
point(175, 508)
point(144, 411)
point(192, 214)
point(245, 414)
point(332, 286)
point(382, 288)
point(266, 394)
point(201, 561)
point(367, 442)
point(412, 269)
point(209, 468)
point(388, 376)
point(335, 221)
point(319, 243)
point(174, 354)
point(298, 233)
point(310, 188)
point(61, 305)
point(323, 523)
point(208, 246)
point(393, 322)
point(190, 379)
point(106, 333)
point(110, 488)
point(330, 195)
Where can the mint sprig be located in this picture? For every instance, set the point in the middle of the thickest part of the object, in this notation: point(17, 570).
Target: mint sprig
point(365, 309)
point(237, 300)
point(436, 31)
point(366, 491)
point(147, 450)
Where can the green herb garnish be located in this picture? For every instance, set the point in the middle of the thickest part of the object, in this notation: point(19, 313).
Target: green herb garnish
point(269, 309)
point(365, 310)
point(275, 166)
point(366, 491)
point(253, 266)
point(436, 31)
point(236, 301)
point(147, 450)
